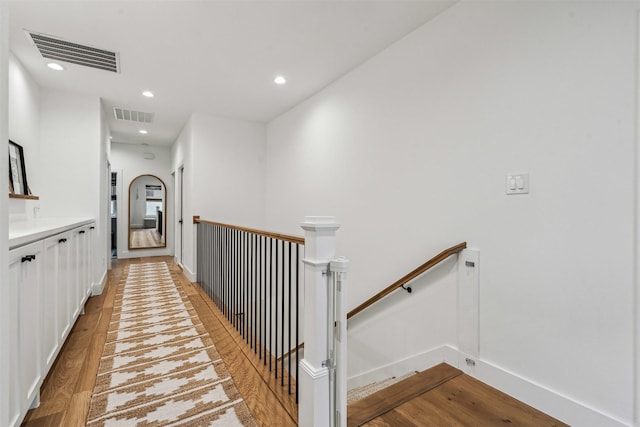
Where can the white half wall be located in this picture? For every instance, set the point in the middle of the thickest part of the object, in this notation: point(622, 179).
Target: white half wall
point(410, 151)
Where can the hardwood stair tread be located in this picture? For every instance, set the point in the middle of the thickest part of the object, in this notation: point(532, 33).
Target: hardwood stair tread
point(378, 403)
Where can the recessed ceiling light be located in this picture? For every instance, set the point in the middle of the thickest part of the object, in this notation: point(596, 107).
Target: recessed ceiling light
point(55, 66)
point(148, 94)
point(280, 80)
point(143, 131)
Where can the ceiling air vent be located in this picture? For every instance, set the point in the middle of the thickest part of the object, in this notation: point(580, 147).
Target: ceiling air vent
point(132, 116)
point(54, 48)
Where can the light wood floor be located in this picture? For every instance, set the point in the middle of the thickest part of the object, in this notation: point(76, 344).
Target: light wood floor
point(454, 400)
point(66, 392)
point(269, 403)
point(444, 396)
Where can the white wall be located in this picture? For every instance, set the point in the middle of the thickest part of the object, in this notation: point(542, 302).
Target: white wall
point(410, 151)
point(181, 157)
point(72, 164)
point(224, 164)
point(70, 154)
point(129, 161)
point(104, 246)
point(63, 137)
point(4, 212)
point(64, 153)
point(24, 119)
point(229, 167)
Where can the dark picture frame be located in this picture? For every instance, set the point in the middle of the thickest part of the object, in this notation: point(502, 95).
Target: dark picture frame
point(17, 171)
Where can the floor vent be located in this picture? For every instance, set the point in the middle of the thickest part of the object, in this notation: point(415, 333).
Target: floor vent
point(132, 116)
point(54, 48)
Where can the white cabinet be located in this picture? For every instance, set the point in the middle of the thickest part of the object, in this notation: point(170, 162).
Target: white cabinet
point(49, 282)
point(89, 259)
point(63, 278)
point(57, 312)
point(25, 339)
point(50, 342)
point(84, 262)
point(75, 295)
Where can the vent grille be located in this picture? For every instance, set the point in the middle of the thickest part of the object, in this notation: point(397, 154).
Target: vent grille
point(132, 116)
point(62, 50)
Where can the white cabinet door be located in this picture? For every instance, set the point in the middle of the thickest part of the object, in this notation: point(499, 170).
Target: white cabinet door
point(56, 312)
point(82, 243)
point(50, 310)
point(25, 267)
point(75, 295)
point(15, 273)
point(89, 258)
point(65, 287)
point(84, 237)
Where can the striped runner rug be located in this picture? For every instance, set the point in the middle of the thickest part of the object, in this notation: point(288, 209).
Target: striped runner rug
point(159, 366)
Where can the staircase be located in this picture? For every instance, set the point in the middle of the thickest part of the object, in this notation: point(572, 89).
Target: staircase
point(443, 396)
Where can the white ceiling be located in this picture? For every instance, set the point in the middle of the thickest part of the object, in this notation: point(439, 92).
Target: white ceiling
point(216, 57)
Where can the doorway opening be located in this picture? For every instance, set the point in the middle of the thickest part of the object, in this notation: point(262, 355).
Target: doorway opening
point(178, 179)
point(113, 209)
point(180, 221)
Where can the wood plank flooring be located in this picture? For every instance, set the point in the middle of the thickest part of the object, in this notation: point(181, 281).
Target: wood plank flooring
point(449, 398)
point(269, 403)
point(444, 397)
point(379, 403)
point(66, 392)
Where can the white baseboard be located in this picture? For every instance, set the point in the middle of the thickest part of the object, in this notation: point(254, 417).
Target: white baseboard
point(548, 401)
point(542, 398)
point(142, 253)
point(97, 288)
point(190, 274)
point(418, 362)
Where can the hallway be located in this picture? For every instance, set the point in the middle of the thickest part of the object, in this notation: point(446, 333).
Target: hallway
point(66, 392)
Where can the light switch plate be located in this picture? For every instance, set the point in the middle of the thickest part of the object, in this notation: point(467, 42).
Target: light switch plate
point(517, 183)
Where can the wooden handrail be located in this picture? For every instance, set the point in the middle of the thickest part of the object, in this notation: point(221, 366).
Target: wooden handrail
point(23, 196)
point(286, 237)
point(397, 284)
point(415, 273)
point(293, 350)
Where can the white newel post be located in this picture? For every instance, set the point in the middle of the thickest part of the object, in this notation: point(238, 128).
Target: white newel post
point(319, 249)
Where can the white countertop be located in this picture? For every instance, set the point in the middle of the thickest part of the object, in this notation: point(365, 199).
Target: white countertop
point(24, 232)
